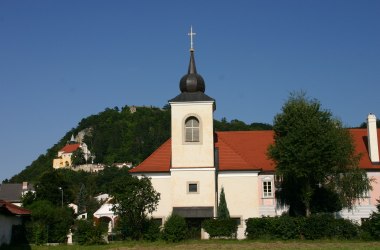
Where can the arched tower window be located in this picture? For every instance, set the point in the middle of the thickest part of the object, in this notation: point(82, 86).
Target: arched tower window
point(192, 129)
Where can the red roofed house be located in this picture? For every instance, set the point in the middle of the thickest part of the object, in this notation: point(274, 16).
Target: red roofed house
point(64, 155)
point(190, 169)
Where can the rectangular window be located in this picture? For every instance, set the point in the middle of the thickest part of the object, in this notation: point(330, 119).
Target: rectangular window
point(193, 188)
point(267, 189)
point(237, 219)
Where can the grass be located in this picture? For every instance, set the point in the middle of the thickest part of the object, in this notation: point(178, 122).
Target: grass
point(218, 244)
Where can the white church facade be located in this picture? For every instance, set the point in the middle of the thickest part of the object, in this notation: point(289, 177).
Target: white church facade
point(190, 169)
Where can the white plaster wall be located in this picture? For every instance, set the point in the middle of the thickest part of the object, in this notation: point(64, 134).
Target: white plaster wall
point(357, 213)
point(192, 154)
point(206, 188)
point(6, 223)
point(161, 183)
point(242, 195)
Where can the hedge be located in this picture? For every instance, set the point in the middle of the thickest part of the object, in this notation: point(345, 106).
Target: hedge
point(317, 226)
point(220, 228)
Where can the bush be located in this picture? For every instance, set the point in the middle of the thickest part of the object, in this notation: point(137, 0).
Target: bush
point(258, 228)
point(283, 227)
point(346, 229)
point(86, 233)
point(48, 223)
point(152, 231)
point(287, 228)
point(36, 233)
point(322, 226)
point(175, 229)
point(317, 226)
point(371, 228)
point(220, 227)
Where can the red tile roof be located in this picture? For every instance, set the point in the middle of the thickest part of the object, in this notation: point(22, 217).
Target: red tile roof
point(360, 139)
point(245, 150)
point(159, 161)
point(69, 148)
point(13, 209)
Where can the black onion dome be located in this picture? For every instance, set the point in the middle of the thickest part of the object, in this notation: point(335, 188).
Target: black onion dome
point(192, 82)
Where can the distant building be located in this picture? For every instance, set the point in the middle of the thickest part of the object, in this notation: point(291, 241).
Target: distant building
point(122, 164)
point(13, 192)
point(64, 155)
point(105, 213)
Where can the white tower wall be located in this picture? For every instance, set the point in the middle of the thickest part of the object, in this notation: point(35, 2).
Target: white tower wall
point(198, 154)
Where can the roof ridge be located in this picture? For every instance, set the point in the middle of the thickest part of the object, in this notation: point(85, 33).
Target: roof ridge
point(244, 131)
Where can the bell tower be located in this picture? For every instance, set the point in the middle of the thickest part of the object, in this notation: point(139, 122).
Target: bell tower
point(192, 121)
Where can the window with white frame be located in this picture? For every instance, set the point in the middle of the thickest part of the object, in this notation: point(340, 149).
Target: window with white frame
point(192, 129)
point(267, 188)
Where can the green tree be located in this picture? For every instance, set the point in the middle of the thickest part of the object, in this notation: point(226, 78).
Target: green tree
point(77, 158)
point(223, 212)
point(52, 187)
point(134, 199)
point(82, 199)
point(49, 223)
point(28, 198)
point(312, 150)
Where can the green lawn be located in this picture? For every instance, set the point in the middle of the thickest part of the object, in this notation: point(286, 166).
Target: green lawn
point(221, 244)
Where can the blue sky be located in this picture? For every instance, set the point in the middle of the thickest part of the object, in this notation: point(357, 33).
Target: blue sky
point(61, 61)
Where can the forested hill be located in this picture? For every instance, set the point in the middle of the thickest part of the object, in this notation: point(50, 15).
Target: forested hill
point(119, 135)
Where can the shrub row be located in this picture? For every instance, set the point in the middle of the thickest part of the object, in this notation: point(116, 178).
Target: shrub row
point(318, 226)
point(220, 228)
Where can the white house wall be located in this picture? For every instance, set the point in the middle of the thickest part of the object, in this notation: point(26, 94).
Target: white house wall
point(242, 195)
point(161, 183)
point(180, 179)
point(6, 223)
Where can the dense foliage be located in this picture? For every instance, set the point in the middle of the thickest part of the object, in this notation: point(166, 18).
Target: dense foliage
point(220, 228)
point(223, 212)
point(48, 223)
point(88, 233)
point(134, 199)
point(175, 229)
point(312, 151)
point(118, 135)
point(371, 227)
point(236, 125)
point(317, 226)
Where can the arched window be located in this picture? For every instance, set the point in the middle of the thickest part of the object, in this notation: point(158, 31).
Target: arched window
point(192, 129)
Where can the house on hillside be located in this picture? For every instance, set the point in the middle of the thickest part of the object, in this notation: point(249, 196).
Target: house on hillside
point(190, 169)
point(104, 213)
point(11, 216)
point(13, 192)
point(63, 159)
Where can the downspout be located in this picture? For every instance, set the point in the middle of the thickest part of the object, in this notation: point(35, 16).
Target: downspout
point(216, 162)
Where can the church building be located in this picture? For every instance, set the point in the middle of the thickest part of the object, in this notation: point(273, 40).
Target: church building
point(190, 169)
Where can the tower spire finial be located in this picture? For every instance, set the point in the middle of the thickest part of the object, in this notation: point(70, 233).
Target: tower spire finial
point(191, 34)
